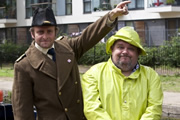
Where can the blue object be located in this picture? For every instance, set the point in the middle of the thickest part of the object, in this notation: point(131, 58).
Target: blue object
point(6, 112)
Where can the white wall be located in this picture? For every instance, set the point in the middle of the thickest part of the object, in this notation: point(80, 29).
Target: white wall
point(79, 17)
point(21, 12)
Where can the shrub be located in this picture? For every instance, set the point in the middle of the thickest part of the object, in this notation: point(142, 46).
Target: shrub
point(94, 55)
point(9, 52)
point(168, 54)
point(151, 58)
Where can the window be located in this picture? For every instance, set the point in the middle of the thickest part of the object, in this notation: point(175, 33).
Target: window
point(151, 32)
point(11, 35)
point(31, 5)
point(64, 7)
point(2, 35)
point(136, 4)
point(7, 35)
point(68, 7)
point(28, 8)
point(105, 5)
point(102, 5)
point(87, 6)
point(8, 9)
point(172, 25)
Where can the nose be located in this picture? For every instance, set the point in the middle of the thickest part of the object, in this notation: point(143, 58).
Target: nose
point(45, 36)
point(125, 50)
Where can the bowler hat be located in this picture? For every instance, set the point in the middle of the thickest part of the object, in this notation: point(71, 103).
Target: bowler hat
point(43, 17)
point(127, 34)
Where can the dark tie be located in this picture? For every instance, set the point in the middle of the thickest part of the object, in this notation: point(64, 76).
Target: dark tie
point(52, 52)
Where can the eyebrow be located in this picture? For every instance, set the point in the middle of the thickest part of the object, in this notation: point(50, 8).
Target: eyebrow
point(128, 43)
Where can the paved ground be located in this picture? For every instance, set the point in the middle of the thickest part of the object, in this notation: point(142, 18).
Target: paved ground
point(6, 83)
point(171, 103)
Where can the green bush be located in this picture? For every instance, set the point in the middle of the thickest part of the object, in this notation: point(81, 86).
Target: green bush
point(168, 54)
point(9, 52)
point(94, 55)
point(150, 58)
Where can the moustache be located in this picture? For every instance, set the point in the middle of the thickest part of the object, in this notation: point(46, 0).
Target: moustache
point(124, 55)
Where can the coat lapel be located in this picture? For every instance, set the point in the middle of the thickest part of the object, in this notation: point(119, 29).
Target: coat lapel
point(60, 70)
point(64, 61)
point(40, 61)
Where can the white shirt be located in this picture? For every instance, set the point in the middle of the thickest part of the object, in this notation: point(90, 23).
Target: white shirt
point(44, 50)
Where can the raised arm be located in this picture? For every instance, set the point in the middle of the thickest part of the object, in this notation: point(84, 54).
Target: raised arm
point(121, 9)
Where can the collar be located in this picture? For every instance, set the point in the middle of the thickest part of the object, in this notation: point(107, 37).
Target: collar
point(136, 67)
point(134, 74)
point(43, 50)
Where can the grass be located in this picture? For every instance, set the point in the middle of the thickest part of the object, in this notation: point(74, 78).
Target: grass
point(7, 71)
point(169, 83)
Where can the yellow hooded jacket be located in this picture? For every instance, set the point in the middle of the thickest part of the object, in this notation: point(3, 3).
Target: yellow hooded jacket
point(109, 95)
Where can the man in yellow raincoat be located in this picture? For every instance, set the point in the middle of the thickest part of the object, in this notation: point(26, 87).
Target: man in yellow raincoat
point(122, 88)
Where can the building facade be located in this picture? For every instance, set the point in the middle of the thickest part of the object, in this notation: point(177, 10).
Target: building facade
point(155, 20)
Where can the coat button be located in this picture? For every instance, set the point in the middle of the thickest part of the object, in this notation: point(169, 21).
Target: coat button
point(76, 82)
point(59, 93)
point(66, 109)
point(78, 101)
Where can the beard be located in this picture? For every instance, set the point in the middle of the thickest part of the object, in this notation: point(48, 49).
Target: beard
point(124, 66)
point(124, 63)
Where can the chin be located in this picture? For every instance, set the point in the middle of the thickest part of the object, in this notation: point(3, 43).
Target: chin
point(46, 46)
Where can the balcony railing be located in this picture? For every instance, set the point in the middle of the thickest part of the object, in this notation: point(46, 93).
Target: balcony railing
point(43, 5)
point(103, 6)
point(32, 7)
point(160, 3)
point(7, 13)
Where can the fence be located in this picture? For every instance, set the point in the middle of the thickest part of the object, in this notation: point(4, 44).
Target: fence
point(164, 59)
point(166, 62)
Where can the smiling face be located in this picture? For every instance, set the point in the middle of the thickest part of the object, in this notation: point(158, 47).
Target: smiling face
point(124, 56)
point(44, 36)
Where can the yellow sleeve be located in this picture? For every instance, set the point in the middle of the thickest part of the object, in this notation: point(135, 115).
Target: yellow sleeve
point(92, 104)
point(155, 98)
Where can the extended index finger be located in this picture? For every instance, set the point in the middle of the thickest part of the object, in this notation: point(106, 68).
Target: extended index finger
point(123, 3)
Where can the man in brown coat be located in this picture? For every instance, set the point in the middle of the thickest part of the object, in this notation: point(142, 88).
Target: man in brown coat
point(50, 81)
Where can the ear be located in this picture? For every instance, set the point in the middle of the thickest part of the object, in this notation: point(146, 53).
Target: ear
point(32, 35)
point(112, 47)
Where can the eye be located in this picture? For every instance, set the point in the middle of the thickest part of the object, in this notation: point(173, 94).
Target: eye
point(40, 32)
point(121, 47)
point(131, 49)
point(49, 31)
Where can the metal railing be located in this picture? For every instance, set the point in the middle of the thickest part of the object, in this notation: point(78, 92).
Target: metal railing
point(7, 13)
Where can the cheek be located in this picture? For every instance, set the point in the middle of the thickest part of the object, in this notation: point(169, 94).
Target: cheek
point(52, 36)
point(37, 39)
point(116, 52)
point(36, 35)
point(135, 56)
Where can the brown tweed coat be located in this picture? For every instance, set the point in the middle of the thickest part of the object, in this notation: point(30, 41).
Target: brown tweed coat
point(54, 88)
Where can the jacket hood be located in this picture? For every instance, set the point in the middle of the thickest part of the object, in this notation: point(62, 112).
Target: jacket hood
point(127, 34)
